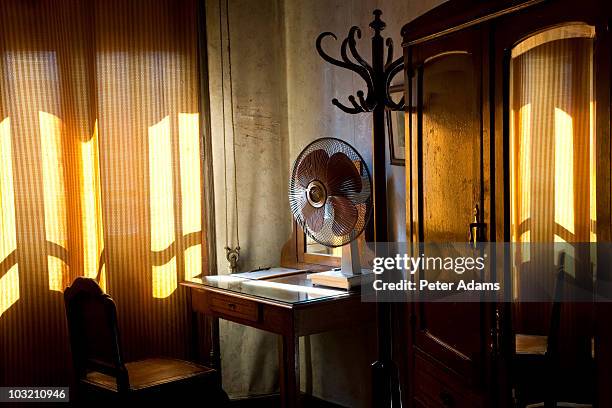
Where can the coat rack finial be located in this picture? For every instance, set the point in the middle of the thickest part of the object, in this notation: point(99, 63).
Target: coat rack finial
point(352, 60)
point(377, 24)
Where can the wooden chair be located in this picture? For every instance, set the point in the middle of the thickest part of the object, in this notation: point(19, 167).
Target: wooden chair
point(101, 372)
point(540, 356)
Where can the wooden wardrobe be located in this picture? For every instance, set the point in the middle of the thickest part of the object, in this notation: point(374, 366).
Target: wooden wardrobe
point(474, 72)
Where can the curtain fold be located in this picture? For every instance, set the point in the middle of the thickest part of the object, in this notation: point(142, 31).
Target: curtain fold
point(100, 174)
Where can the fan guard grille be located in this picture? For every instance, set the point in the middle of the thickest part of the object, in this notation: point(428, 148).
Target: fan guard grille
point(330, 192)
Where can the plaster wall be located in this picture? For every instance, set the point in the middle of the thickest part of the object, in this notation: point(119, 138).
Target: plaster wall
point(282, 92)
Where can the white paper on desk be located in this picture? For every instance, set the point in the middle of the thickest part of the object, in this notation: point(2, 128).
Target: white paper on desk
point(269, 273)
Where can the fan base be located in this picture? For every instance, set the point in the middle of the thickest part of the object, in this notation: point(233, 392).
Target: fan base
point(340, 280)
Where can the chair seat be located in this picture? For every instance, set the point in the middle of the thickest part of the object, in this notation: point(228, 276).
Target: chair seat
point(151, 373)
point(530, 344)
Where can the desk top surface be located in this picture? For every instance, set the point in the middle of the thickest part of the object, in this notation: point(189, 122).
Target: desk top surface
point(294, 289)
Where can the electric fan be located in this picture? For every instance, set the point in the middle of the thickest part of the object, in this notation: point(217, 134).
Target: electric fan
point(330, 198)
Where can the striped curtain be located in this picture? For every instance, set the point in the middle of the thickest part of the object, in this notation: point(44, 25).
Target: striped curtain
point(552, 151)
point(100, 174)
point(552, 166)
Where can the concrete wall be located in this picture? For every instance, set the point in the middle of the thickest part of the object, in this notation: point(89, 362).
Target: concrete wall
point(282, 93)
point(259, 137)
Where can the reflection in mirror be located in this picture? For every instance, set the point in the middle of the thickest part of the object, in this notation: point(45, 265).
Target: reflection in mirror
point(313, 247)
point(552, 200)
point(552, 157)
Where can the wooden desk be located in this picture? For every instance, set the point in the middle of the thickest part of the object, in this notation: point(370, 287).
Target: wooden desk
point(289, 307)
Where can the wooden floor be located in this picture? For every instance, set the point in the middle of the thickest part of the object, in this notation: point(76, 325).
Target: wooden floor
point(273, 401)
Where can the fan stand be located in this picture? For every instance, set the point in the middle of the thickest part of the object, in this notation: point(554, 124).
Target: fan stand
point(355, 262)
point(349, 276)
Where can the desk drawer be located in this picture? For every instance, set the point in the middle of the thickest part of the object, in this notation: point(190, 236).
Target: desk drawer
point(438, 388)
point(230, 306)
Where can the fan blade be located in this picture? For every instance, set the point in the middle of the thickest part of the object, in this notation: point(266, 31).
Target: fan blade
point(345, 215)
point(364, 195)
point(312, 167)
point(313, 217)
point(342, 176)
point(297, 199)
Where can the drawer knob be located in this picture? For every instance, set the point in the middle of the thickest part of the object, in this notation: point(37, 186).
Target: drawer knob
point(232, 306)
point(447, 399)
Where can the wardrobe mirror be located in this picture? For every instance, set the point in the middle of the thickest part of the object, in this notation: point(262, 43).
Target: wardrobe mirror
point(553, 199)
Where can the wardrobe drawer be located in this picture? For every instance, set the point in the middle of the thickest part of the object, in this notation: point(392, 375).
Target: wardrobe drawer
point(435, 387)
point(230, 306)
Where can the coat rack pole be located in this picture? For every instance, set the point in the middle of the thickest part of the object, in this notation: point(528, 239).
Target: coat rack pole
point(378, 133)
point(377, 78)
point(381, 369)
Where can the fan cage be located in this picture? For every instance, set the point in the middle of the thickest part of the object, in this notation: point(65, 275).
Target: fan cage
point(361, 200)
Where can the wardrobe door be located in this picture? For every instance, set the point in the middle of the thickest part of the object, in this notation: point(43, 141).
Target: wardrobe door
point(452, 177)
point(553, 113)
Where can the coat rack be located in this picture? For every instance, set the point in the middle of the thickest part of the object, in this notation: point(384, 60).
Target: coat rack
point(377, 76)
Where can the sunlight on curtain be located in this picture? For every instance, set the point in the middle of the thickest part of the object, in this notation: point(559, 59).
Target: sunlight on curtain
point(9, 282)
point(552, 158)
point(520, 131)
point(56, 227)
point(91, 203)
point(9, 288)
point(564, 172)
point(103, 176)
point(592, 173)
point(565, 216)
point(552, 151)
point(161, 196)
point(191, 194)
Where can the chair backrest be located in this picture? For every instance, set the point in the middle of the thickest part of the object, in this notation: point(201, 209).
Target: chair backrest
point(93, 331)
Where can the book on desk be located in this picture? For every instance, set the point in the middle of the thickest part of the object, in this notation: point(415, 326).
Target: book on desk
point(334, 278)
point(269, 273)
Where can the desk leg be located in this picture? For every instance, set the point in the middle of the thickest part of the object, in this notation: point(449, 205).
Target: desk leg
point(289, 364)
